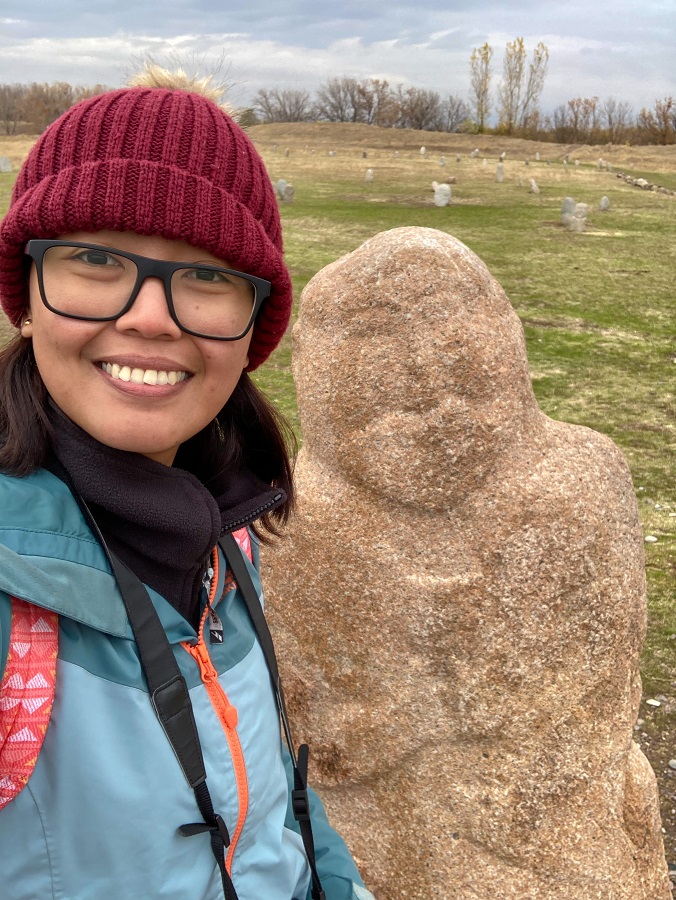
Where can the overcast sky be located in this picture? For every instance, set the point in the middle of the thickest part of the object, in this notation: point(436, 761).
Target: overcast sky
point(624, 49)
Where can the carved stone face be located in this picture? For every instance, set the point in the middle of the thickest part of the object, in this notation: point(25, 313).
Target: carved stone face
point(422, 361)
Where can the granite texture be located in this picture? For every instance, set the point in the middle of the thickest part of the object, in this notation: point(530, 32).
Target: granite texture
point(459, 604)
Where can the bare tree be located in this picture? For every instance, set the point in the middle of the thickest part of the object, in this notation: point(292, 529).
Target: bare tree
point(419, 109)
point(561, 124)
point(337, 100)
point(616, 119)
point(455, 113)
point(511, 85)
point(584, 119)
point(659, 123)
point(529, 113)
point(376, 103)
point(480, 82)
point(42, 103)
point(369, 101)
point(283, 105)
point(11, 96)
point(521, 87)
point(84, 92)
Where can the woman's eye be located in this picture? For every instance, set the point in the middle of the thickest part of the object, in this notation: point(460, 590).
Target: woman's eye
point(96, 258)
point(207, 275)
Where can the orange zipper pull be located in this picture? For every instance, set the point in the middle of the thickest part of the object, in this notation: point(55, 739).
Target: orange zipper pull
point(207, 668)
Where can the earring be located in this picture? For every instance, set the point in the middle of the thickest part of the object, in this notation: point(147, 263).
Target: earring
point(26, 322)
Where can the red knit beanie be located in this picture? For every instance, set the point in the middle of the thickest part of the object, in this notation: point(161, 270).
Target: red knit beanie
point(157, 162)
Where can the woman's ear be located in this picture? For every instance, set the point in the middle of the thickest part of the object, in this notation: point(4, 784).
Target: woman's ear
point(26, 326)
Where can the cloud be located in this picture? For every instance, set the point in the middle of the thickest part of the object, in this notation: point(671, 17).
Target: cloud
point(593, 51)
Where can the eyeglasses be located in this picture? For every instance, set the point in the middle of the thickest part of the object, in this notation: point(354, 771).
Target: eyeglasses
point(100, 284)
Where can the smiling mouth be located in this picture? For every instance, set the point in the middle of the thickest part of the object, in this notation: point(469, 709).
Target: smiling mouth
point(143, 376)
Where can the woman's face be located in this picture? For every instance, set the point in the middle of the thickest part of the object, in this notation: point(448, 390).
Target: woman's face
point(151, 419)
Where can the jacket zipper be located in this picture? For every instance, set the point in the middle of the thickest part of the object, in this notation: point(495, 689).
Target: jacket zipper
point(226, 712)
point(252, 515)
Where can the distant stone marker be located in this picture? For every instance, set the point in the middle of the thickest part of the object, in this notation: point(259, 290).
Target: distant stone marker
point(503, 155)
point(285, 191)
point(442, 160)
point(287, 151)
point(458, 158)
point(364, 154)
point(423, 151)
point(578, 222)
point(5, 164)
point(442, 195)
point(537, 156)
point(499, 173)
point(332, 152)
point(368, 177)
point(604, 205)
point(567, 211)
point(534, 189)
point(484, 163)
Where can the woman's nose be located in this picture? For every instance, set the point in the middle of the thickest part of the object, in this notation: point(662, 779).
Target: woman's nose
point(149, 313)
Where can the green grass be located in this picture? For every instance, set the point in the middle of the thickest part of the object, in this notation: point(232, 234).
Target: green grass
point(598, 310)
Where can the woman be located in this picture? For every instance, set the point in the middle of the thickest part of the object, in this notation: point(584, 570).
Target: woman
point(141, 260)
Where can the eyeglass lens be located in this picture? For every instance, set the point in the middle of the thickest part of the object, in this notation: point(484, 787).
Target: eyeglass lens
point(94, 283)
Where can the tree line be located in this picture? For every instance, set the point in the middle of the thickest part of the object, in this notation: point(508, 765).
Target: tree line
point(30, 108)
point(513, 107)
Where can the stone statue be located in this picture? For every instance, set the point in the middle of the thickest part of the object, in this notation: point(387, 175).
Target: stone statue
point(459, 605)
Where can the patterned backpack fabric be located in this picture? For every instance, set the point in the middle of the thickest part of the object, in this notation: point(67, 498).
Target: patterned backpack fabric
point(26, 694)
point(28, 683)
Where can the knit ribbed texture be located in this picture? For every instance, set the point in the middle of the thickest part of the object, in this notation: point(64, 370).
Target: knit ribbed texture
point(157, 162)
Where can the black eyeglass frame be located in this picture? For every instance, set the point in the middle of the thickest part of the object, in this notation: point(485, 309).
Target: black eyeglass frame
point(147, 267)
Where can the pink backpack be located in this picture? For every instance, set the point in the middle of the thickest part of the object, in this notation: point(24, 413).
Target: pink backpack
point(26, 694)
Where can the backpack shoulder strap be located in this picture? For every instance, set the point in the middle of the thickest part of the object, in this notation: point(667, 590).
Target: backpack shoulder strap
point(235, 549)
point(26, 694)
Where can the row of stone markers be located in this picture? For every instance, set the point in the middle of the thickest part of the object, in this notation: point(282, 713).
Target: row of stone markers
point(573, 215)
point(645, 185)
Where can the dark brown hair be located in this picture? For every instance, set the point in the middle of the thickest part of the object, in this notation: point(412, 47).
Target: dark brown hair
point(248, 432)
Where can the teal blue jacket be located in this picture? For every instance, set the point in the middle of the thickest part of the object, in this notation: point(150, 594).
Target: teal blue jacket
point(98, 818)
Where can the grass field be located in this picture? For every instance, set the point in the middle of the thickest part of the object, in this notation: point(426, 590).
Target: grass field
point(598, 308)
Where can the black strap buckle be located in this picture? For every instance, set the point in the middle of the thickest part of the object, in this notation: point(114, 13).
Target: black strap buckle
point(216, 827)
point(222, 829)
point(301, 805)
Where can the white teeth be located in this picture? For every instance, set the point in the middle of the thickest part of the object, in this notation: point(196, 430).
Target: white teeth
point(143, 376)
